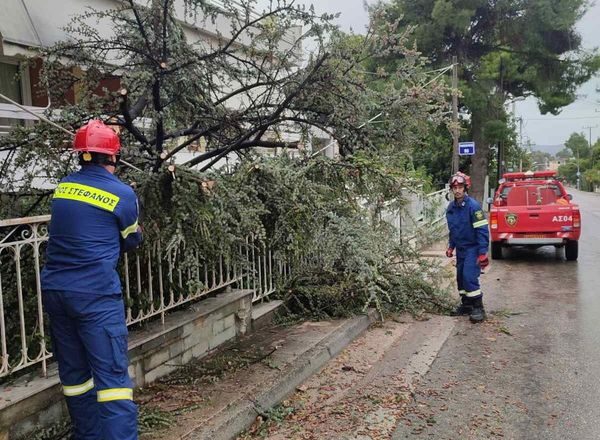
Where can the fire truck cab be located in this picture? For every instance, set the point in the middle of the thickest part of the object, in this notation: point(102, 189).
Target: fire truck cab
point(533, 209)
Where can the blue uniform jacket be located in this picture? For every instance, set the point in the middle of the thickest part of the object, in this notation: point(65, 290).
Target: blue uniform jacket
point(468, 226)
point(94, 219)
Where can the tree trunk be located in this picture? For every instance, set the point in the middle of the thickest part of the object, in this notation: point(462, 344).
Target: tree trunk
point(479, 162)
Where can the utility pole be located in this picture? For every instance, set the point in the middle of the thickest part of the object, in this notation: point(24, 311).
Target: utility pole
point(500, 155)
point(589, 127)
point(520, 143)
point(455, 131)
point(578, 172)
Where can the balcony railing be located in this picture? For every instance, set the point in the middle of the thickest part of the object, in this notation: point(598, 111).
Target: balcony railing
point(11, 115)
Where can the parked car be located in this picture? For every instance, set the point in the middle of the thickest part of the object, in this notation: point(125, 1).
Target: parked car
point(533, 209)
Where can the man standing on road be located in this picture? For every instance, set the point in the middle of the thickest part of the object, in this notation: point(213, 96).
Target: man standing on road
point(469, 236)
point(94, 220)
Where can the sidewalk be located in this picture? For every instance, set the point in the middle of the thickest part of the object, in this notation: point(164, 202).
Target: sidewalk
point(364, 392)
point(222, 395)
point(359, 394)
point(219, 396)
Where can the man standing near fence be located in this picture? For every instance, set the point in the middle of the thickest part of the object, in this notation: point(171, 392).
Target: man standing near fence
point(469, 235)
point(94, 220)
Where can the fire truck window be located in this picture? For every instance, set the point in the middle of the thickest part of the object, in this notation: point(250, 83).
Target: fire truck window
point(556, 190)
point(518, 196)
point(546, 195)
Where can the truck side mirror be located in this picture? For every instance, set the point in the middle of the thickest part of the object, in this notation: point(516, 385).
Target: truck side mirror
point(490, 200)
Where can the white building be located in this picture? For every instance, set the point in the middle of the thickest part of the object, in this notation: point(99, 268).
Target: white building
point(26, 25)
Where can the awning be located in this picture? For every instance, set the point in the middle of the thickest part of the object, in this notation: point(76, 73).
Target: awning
point(16, 25)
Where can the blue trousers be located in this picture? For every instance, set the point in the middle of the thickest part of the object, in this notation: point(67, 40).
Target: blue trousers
point(89, 339)
point(467, 272)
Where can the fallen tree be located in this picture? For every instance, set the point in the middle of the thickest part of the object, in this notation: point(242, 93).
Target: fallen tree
point(247, 87)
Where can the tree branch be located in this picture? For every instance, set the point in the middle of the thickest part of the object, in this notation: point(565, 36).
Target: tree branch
point(194, 138)
point(257, 133)
point(140, 24)
point(244, 89)
point(128, 121)
point(241, 146)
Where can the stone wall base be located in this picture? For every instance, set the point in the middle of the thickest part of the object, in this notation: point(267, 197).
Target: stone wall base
point(31, 402)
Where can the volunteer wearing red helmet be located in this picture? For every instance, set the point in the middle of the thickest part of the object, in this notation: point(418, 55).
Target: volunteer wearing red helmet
point(469, 236)
point(94, 220)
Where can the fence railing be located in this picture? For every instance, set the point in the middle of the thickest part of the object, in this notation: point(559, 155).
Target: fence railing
point(420, 211)
point(434, 207)
point(22, 331)
point(154, 281)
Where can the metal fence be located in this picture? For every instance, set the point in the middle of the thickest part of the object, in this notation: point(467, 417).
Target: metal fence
point(434, 207)
point(419, 212)
point(154, 282)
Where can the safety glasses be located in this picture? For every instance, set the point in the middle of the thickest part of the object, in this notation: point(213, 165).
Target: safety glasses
point(458, 180)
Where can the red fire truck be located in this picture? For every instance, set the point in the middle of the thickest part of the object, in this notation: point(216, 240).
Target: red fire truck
point(533, 209)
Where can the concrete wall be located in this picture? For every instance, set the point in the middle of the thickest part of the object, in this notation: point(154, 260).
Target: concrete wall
point(32, 402)
point(195, 333)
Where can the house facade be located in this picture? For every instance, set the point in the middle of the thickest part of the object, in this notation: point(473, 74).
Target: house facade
point(28, 25)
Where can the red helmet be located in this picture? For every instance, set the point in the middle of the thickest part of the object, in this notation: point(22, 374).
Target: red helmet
point(460, 179)
point(97, 137)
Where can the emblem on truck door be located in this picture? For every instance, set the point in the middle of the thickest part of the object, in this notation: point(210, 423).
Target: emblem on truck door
point(511, 219)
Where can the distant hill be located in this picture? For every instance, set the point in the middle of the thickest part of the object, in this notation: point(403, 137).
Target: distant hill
point(552, 149)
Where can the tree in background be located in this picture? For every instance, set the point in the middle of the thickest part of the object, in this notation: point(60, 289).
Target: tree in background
point(505, 49)
point(595, 155)
point(580, 158)
point(432, 156)
point(565, 153)
point(578, 145)
point(568, 171)
point(585, 158)
point(592, 179)
point(540, 159)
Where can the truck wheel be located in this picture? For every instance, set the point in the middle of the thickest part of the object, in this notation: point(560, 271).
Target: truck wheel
point(571, 250)
point(496, 250)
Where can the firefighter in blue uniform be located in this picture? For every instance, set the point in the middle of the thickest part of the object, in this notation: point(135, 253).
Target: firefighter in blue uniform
point(94, 220)
point(469, 236)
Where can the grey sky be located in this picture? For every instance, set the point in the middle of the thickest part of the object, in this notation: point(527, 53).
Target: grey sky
point(539, 129)
point(585, 112)
point(353, 14)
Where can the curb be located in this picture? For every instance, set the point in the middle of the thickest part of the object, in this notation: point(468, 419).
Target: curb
point(241, 415)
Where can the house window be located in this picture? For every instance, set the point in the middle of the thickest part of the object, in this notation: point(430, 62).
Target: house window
point(14, 85)
point(10, 86)
point(9, 82)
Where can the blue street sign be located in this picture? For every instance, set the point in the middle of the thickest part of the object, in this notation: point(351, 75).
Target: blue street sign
point(466, 148)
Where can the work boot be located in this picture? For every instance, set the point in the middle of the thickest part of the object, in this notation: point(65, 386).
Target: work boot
point(478, 312)
point(464, 308)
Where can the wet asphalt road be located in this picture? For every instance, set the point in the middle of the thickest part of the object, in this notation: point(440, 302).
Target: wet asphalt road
point(532, 371)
